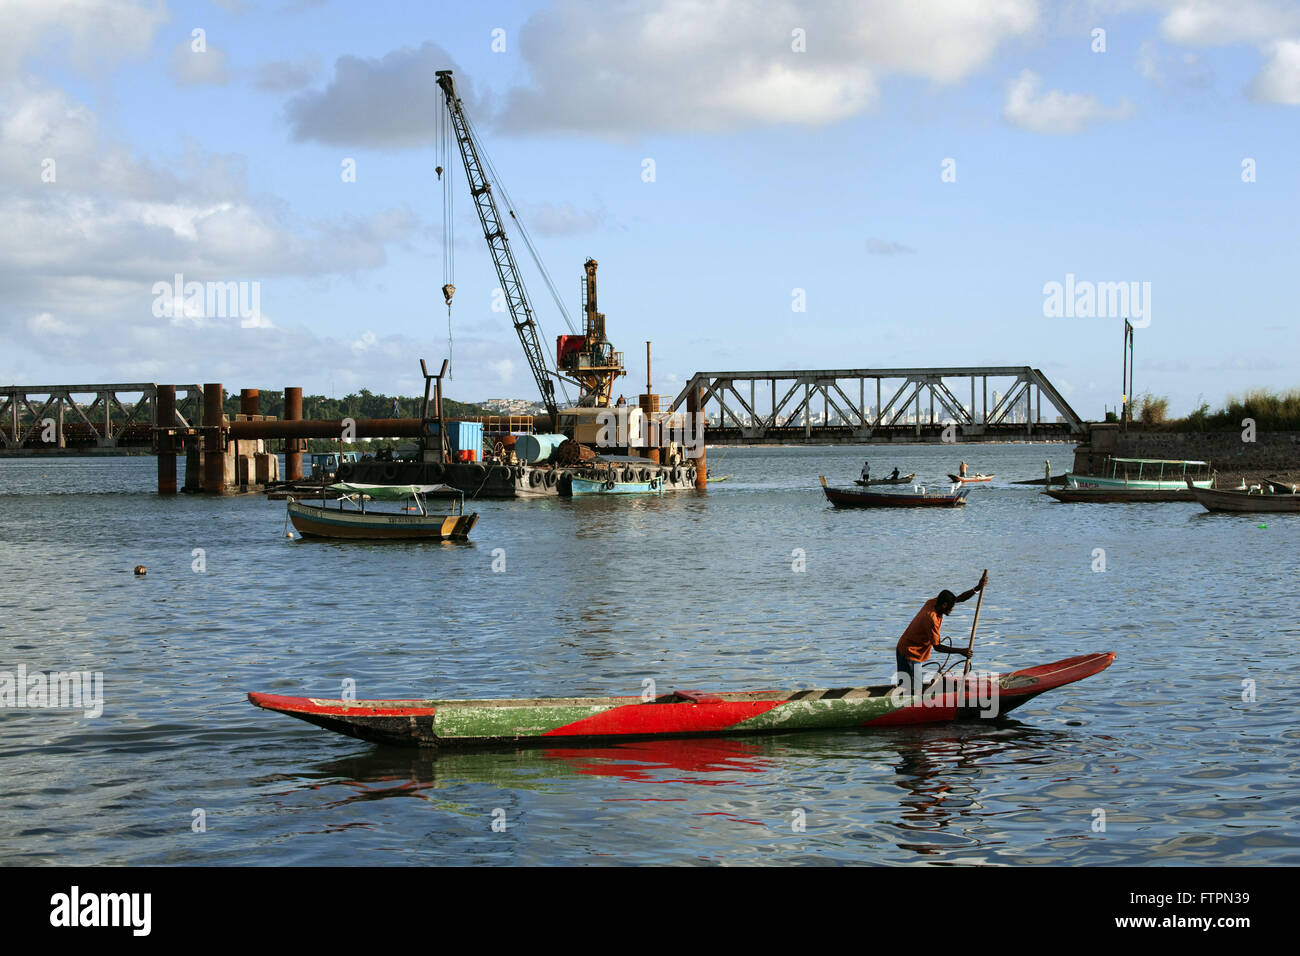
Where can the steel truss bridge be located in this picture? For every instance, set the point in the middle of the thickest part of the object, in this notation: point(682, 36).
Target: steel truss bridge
point(867, 405)
point(87, 419)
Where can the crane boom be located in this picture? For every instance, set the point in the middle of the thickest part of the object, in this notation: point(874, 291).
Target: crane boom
point(512, 284)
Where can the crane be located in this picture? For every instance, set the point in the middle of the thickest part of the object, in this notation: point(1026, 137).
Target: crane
point(512, 283)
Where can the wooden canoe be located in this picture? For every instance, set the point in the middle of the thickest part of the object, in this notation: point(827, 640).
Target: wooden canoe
point(970, 480)
point(469, 723)
point(1119, 496)
point(900, 480)
point(854, 498)
point(1243, 501)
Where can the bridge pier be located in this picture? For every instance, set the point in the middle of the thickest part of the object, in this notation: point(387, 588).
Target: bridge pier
point(165, 417)
point(214, 452)
point(293, 446)
point(694, 408)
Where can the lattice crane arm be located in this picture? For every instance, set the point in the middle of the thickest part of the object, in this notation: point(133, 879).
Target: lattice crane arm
point(512, 284)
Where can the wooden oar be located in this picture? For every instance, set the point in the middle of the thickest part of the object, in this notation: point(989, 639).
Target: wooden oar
point(975, 623)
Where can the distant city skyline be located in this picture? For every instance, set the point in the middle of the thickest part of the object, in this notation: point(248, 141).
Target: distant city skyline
point(245, 193)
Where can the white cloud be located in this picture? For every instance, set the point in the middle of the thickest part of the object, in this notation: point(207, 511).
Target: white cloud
point(706, 65)
point(282, 76)
point(1182, 71)
point(1272, 26)
point(562, 219)
point(1054, 111)
point(725, 64)
point(87, 33)
point(387, 103)
point(887, 247)
point(190, 67)
point(1229, 22)
point(1279, 80)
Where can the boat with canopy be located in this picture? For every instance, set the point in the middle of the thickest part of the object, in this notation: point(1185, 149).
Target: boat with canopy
point(353, 519)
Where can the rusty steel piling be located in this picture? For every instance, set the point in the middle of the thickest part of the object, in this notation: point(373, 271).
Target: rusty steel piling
point(293, 446)
point(165, 417)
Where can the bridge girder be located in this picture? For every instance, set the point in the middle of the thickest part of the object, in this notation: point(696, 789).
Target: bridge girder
point(25, 409)
point(860, 421)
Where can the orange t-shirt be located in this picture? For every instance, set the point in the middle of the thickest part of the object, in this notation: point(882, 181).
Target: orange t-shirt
point(922, 634)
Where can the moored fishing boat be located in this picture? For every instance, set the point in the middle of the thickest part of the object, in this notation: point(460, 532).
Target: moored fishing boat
point(1145, 474)
point(415, 520)
point(1255, 500)
point(464, 723)
point(608, 486)
point(856, 498)
point(1132, 496)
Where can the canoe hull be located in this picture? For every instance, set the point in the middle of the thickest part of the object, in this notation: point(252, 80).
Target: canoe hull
point(312, 521)
point(1119, 496)
point(847, 498)
point(1243, 502)
point(487, 723)
point(972, 480)
point(900, 480)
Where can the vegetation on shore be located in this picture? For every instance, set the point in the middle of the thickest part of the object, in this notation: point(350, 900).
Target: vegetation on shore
point(364, 404)
point(1271, 411)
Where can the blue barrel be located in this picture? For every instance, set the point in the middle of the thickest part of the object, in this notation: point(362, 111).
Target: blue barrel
point(537, 447)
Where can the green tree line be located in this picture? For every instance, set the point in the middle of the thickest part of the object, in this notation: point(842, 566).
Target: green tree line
point(363, 404)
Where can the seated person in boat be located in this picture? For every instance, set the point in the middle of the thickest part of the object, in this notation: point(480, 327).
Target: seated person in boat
point(922, 635)
point(894, 475)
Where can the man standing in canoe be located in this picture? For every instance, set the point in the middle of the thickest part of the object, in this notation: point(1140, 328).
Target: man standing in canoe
point(866, 471)
point(922, 635)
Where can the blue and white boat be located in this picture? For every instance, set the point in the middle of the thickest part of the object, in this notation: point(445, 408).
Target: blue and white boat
point(595, 486)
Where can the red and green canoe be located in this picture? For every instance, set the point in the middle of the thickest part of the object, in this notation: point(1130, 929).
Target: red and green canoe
point(460, 723)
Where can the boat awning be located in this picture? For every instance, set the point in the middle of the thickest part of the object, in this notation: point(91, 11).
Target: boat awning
point(392, 492)
point(1160, 461)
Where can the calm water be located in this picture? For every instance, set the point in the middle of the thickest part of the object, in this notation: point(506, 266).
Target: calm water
point(692, 590)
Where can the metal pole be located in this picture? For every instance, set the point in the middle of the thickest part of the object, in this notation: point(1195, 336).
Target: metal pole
point(1123, 384)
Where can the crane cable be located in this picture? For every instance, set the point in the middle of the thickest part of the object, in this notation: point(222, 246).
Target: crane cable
point(444, 157)
point(528, 243)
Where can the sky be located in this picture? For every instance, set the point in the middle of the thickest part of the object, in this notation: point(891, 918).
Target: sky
point(766, 185)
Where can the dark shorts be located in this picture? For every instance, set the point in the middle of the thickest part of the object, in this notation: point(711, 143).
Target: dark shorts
point(908, 671)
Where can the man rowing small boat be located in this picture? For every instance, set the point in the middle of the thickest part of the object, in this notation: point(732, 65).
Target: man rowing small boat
point(922, 635)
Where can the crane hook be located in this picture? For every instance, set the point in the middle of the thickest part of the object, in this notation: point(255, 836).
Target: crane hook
point(447, 292)
point(438, 170)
